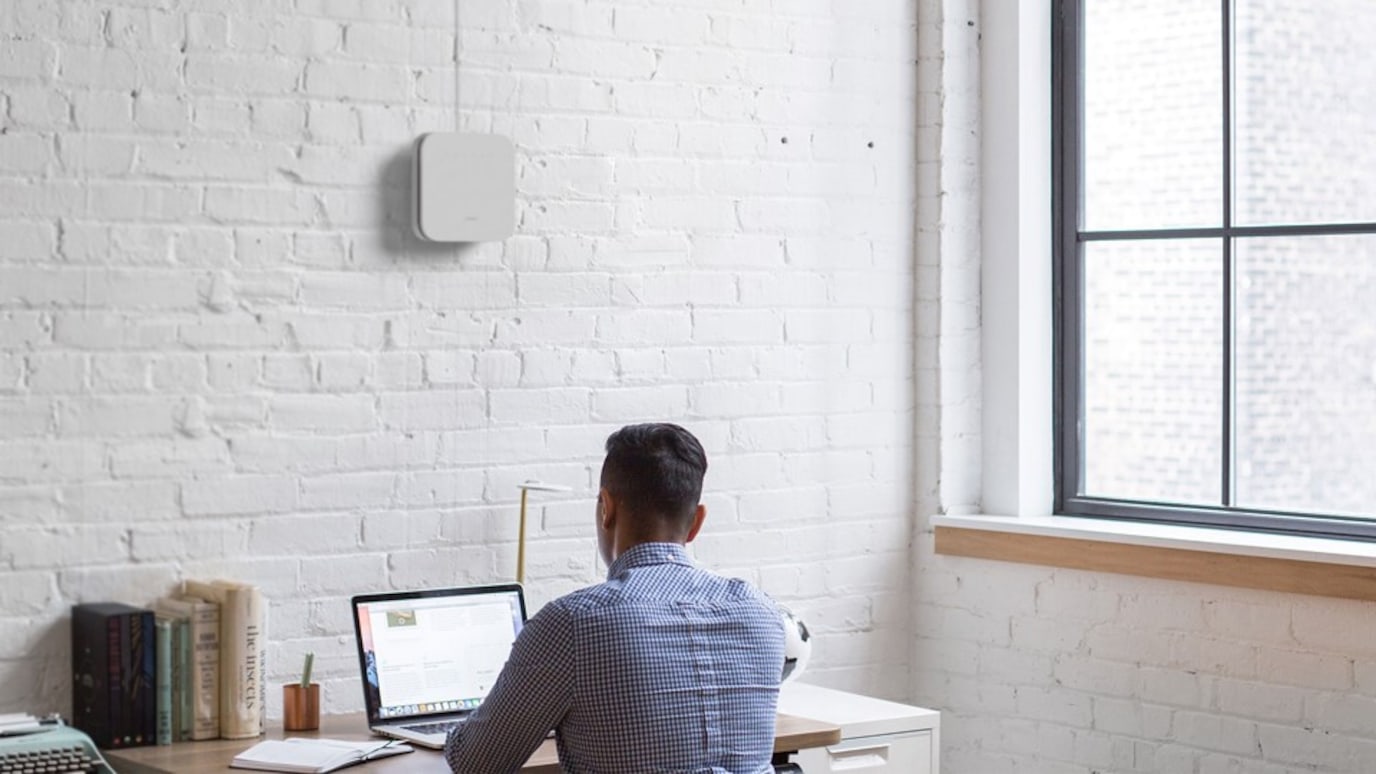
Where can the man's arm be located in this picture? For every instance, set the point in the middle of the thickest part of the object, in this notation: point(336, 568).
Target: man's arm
point(531, 696)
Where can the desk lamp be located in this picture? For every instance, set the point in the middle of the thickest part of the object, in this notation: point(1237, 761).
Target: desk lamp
point(526, 488)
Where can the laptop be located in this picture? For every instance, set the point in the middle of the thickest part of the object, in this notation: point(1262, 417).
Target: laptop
point(428, 658)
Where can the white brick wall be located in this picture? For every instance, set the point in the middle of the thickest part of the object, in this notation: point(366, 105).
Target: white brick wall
point(222, 353)
point(1050, 671)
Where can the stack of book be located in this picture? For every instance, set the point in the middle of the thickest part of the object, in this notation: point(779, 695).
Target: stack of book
point(190, 668)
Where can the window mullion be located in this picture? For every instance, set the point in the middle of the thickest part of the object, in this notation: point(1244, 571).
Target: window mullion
point(1228, 466)
point(1067, 216)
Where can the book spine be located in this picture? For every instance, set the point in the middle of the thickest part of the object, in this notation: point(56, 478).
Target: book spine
point(259, 648)
point(164, 681)
point(90, 665)
point(131, 677)
point(241, 674)
point(205, 674)
point(185, 713)
point(119, 711)
point(146, 676)
point(174, 676)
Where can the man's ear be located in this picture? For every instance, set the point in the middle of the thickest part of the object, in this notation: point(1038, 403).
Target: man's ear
point(609, 508)
point(698, 516)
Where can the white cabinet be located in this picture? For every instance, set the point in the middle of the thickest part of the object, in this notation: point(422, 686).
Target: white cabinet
point(876, 735)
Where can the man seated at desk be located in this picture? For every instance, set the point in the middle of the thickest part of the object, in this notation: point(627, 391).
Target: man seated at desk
point(664, 667)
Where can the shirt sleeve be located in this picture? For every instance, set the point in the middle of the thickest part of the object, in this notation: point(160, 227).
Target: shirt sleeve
point(531, 696)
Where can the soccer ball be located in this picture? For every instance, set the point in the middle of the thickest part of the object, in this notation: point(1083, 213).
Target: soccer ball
point(797, 645)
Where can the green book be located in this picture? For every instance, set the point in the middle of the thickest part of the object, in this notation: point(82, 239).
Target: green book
point(203, 671)
point(162, 669)
point(183, 707)
point(182, 717)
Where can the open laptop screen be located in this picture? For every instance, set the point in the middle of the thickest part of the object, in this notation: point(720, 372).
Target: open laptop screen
point(435, 651)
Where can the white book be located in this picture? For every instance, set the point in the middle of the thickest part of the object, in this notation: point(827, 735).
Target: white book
point(313, 755)
point(243, 655)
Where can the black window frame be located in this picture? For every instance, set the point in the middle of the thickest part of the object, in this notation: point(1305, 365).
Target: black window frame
point(1068, 238)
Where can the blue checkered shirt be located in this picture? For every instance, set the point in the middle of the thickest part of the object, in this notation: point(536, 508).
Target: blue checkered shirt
point(663, 668)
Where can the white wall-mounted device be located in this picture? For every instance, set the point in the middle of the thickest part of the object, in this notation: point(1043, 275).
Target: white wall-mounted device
point(464, 187)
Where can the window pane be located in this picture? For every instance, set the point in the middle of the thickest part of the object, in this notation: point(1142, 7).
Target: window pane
point(1305, 105)
point(1306, 374)
point(1153, 114)
point(1153, 371)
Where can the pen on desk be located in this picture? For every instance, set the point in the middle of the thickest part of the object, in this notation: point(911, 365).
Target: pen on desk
point(306, 671)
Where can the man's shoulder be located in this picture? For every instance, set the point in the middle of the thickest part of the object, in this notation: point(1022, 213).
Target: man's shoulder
point(661, 583)
point(744, 589)
point(587, 597)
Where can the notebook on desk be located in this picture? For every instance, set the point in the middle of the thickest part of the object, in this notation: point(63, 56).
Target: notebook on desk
point(428, 658)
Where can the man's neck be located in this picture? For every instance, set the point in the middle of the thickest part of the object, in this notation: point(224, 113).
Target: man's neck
point(626, 544)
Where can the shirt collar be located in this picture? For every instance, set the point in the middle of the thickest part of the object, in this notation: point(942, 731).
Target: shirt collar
point(645, 554)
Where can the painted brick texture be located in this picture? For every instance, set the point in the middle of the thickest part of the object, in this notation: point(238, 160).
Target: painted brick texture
point(1053, 671)
point(223, 354)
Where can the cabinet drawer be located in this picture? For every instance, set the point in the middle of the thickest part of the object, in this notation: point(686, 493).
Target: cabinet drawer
point(888, 753)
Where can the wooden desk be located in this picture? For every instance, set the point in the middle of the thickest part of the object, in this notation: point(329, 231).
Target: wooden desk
point(213, 756)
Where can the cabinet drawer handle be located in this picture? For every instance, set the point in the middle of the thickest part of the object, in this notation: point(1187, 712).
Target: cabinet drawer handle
point(855, 758)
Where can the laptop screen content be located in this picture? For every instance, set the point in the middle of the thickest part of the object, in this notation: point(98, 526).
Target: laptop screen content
point(435, 654)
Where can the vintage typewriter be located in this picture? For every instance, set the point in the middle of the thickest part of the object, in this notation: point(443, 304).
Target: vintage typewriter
point(48, 746)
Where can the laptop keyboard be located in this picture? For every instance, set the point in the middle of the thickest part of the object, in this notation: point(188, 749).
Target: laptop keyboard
point(437, 727)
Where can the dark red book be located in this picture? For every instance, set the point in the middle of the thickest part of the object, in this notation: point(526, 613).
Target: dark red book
point(137, 678)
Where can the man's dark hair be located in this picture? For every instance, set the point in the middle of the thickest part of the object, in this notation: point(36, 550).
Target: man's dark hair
point(655, 470)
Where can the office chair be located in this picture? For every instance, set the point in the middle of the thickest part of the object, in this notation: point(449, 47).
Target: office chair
point(782, 765)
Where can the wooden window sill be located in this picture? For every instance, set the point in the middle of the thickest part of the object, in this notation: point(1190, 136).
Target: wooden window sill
point(1301, 565)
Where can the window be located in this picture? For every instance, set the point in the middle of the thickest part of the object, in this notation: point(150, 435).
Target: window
point(1215, 240)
